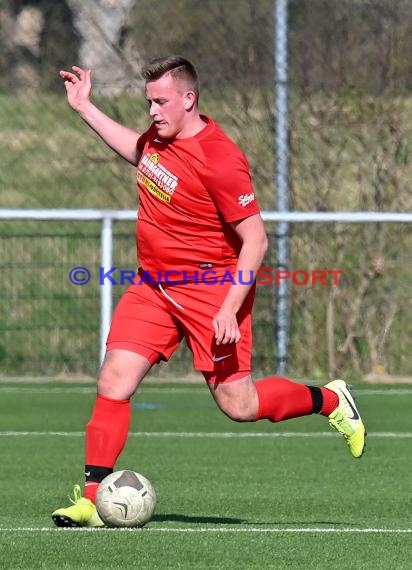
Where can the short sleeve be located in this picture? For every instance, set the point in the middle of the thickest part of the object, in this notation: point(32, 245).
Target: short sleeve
point(141, 141)
point(228, 180)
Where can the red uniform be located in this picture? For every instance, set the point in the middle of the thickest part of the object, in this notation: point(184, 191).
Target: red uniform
point(189, 192)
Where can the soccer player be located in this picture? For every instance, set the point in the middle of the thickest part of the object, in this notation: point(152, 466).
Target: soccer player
point(199, 236)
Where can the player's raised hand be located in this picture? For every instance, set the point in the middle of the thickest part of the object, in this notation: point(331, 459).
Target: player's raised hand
point(78, 86)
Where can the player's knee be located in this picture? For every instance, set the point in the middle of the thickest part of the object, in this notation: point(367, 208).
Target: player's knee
point(238, 411)
point(114, 382)
point(107, 381)
point(121, 373)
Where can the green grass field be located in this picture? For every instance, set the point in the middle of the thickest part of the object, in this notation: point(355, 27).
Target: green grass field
point(229, 495)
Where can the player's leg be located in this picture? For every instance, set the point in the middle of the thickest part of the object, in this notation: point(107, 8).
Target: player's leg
point(277, 399)
point(108, 427)
point(106, 433)
point(227, 367)
point(121, 373)
point(238, 398)
point(273, 398)
point(142, 333)
point(227, 371)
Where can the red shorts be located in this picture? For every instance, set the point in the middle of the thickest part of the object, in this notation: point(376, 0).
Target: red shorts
point(153, 320)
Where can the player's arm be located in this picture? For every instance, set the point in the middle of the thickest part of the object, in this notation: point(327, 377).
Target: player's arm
point(118, 137)
point(252, 233)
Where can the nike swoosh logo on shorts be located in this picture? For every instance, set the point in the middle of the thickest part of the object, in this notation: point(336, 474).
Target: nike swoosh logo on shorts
point(218, 358)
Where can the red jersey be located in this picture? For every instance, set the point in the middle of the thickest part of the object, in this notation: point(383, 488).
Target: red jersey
point(189, 191)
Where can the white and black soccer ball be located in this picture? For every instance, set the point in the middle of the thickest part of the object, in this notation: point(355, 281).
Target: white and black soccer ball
point(125, 499)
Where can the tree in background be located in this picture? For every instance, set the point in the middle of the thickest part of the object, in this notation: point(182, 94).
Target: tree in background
point(38, 37)
point(106, 46)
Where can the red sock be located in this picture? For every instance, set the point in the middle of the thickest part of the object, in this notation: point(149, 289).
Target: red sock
point(90, 490)
point(330, 402)
point(106, 435)
point(281, 399)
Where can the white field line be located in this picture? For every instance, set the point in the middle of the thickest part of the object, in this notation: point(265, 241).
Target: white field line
point(381, 392)
point(210, 435)
point(201, 391)
point(218, 530)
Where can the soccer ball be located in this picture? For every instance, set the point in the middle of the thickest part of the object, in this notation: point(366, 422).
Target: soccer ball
point(125, 499)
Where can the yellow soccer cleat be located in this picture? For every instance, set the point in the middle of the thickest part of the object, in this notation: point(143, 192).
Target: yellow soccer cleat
point(81, 513)
point(346, 418)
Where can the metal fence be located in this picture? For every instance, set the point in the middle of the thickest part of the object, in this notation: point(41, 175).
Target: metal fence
point(58, 291)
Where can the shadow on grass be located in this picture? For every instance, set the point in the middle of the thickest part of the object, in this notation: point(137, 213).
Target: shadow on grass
point(231, 520)
point(301, 524)
point(197, 519)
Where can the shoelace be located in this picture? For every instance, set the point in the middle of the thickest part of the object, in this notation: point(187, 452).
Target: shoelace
point(77, 494)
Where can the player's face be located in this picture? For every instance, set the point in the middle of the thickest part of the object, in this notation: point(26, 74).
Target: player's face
point(168, 106)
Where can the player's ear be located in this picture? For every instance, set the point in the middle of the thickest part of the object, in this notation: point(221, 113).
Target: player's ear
point(190, 100)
